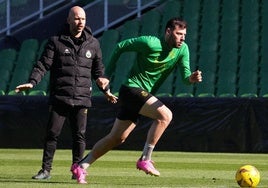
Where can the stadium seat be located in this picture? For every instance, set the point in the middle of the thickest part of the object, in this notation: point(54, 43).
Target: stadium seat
point(4, 75)
point(250, 12)
point(191, 13)
point(249, 61)
point(229, 35)
point(191, 10)
point(8, 58)
point(226, 83)
point(228, 43)
point(230, 11)
point(209, 38)
point(263, 86)
point(3, 86)
point(263, 23)
point(207, 86)
point(263, 66)
point(43, 85)
point(228, 61)
point(41, 48)
point(147, 28)
point(180, 88)
point(248, 84)
point(20, 76)
point(37, 93)
point(31, 43)
point(26, 55)
point(7, 64)
point(2, 92)
point(171, 9)
point(108, 42)
point(13, 93)
point(183, 90)
point(210, 13)
point(8, 53)
point(208, 61)
point(130, 29)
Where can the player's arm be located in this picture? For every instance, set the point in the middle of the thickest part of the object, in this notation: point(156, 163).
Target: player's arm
point(139, 44)
point(103, 85)
point(188, 76)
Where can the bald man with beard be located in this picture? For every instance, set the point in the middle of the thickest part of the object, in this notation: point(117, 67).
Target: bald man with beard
point(74, 59)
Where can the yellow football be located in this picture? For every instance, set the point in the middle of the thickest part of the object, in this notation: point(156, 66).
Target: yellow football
point(247, 176)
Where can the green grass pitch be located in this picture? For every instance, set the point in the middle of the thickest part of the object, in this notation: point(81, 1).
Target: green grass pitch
point(118, 169)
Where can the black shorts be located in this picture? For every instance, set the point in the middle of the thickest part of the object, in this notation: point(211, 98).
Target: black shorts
point(131, 100)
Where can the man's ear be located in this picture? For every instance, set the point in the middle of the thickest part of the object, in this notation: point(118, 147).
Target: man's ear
point(168, 31)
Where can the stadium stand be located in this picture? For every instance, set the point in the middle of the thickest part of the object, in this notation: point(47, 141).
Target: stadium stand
point(20, 76)
point(41, 48)
point(166, 88)
point(207, 87)
point(108, 41)
point(4, 77)
point(227, 39)
point(181, 89)
point(146, 27)
point(226, 83)
point(37, 93)
point(248, 84)
point(8, 57)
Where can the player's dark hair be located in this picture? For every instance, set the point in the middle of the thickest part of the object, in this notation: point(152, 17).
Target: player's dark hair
point(176, 21)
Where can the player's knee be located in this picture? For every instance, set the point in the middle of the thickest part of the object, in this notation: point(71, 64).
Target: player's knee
point(117, 140)
point(166, 117)
point(120, 140)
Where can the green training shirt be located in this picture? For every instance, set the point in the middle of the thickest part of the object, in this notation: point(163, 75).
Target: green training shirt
point(155, 61)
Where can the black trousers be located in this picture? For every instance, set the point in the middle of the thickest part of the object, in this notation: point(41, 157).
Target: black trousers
point(77, 117)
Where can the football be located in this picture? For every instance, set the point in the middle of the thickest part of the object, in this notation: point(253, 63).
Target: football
point(247, 176)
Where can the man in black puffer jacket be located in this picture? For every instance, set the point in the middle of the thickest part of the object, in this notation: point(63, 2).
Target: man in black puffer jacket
point(73, 58)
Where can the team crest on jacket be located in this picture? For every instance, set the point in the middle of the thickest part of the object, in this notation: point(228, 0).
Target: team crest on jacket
point(88, 54)
point(66, 51)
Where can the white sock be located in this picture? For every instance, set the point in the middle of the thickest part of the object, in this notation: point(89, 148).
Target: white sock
point(85, 165)
point(86, 161)
point(147, 152)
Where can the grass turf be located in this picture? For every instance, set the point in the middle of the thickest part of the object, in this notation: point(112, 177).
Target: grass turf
point(117, 169)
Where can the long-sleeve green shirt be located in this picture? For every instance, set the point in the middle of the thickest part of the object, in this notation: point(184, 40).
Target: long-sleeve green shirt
point(155, 61)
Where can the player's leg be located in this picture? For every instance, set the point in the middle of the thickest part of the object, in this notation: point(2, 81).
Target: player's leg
point(120, 131)
point(155, 109)
point(161, 114)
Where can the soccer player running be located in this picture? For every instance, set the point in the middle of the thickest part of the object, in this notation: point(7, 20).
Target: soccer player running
point(156, 59)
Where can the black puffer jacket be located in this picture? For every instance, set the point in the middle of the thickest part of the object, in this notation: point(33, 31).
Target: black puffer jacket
point(71, 68)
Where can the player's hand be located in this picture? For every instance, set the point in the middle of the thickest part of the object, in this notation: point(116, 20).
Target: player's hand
point(196, 76)
point(102, 82)
point(23, 87)
point(110, 97)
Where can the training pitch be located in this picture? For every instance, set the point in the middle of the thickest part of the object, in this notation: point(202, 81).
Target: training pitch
point(118, 169)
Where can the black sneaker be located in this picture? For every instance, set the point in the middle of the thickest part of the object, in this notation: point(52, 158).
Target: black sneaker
point(73, 177)
point(42, 175)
